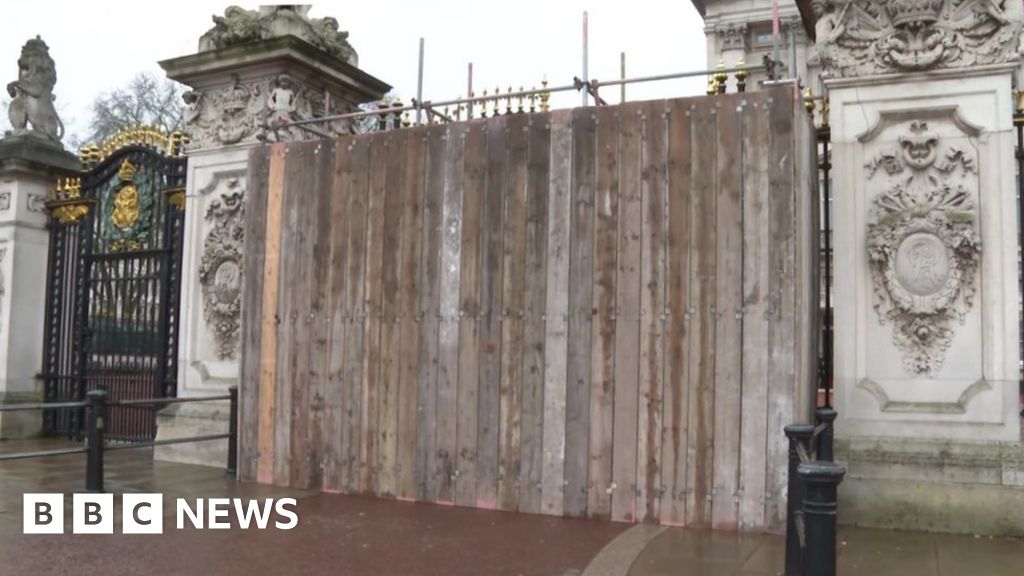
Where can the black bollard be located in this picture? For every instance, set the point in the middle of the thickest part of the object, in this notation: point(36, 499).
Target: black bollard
point(97, 400)
point(798, 434)
point(232, 469)
point(821, 480)
point(826, 416)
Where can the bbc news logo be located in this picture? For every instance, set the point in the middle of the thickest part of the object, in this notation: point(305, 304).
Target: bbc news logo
point(144, 513)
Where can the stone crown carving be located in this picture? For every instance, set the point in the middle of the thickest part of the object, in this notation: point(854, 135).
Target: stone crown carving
point(923, 250)
point(241, 26)
point(868, 37)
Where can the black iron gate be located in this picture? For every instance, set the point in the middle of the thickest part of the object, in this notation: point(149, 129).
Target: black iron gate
point(113, 282)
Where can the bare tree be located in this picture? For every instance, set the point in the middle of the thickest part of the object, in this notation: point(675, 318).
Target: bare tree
point(146, 99)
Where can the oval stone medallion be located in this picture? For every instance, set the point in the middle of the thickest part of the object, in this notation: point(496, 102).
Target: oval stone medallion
point(922, 265)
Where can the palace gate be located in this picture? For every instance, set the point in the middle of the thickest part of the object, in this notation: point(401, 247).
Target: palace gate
point(113, 282)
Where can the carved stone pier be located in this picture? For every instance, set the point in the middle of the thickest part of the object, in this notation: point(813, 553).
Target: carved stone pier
point(926, 274)
point(255, 70)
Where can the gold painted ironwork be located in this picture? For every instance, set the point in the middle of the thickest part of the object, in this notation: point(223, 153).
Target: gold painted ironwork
point(712, 86)
point(520, 101)
point(67, 204)
point(508, 101)
point(126, 201)
point(533, 101)
point(176, 197)
point(545, 96)
point(125, 245)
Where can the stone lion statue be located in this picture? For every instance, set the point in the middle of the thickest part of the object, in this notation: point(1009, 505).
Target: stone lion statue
point(32, 93)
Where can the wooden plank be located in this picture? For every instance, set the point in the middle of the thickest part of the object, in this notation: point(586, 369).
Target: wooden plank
point(473, 183)
point(602, 360)
point(319, 321)
point(334, 398)
point(729, 308)
point(289, 391)
point(257, 180)
point(448, 331)
point(390, 338)
point(490, 326)
point(782, 300)
point(557, 314)
point(700, 449)
point(675, 413)
point(754, 424)
point(426, 456)
point(580, 321)
point(652, 312)
point(627, 317)
point(300, 174)
point(512, 301)
point(269, 315)
point(380, 149)
point(535, 286)
point(412, 238)
point(359, 149)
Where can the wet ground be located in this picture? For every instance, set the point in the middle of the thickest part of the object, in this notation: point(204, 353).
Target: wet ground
point(336, 534)
point(355, 536)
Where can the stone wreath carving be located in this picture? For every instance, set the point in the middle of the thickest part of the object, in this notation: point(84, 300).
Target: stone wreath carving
point(883, 36)
point(220, 271)
point(923, 249)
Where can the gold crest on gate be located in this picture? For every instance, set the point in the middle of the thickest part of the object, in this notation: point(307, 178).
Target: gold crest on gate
point(126, 202)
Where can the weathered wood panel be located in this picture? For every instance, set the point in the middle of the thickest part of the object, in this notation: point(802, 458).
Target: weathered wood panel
point(553, 424)
point(448, 331)
point(474, 182)
point(411, 279)
point(512, 303)
point(581, 288)
point(430, 311)
point(653, 237)
point(602, 312)
point(675, 415)
point(602, 351)
point(728, 321)
point(625, 404)
point(700, 449)
point(535, 292)
point(391, 312)
point(754, 427)
point(256, 234)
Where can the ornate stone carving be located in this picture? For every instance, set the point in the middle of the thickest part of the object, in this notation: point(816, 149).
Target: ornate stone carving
point(734, 37)
point(5, 201)
point(883, 36)
point(37, 203)
point(245, 113)
point(220, 271)
point(32, 94)
point(241, 26)
point(922, 246)
point(3, 281)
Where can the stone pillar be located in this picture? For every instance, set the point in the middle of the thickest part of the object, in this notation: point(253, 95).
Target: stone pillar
point(29, 168)
point(254, 70)
point(926, 275)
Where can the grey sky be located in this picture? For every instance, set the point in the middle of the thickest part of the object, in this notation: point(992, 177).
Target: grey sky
point(98, 45)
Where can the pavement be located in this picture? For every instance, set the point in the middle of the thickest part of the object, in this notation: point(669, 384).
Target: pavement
point(358, 536)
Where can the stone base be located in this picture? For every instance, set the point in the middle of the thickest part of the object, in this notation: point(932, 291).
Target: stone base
point(193, 419)
point(29, 150)
point(20, 425)
point(936, 486)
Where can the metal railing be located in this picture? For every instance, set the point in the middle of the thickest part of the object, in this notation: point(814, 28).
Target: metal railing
point(811, 500)
point(97, 405)
point(395, 115)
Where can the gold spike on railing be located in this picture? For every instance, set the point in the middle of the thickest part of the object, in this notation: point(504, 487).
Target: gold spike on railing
point(533, 100)
point(545, 96)
point(721, 77)
point(519, 101)
point(741, 76)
